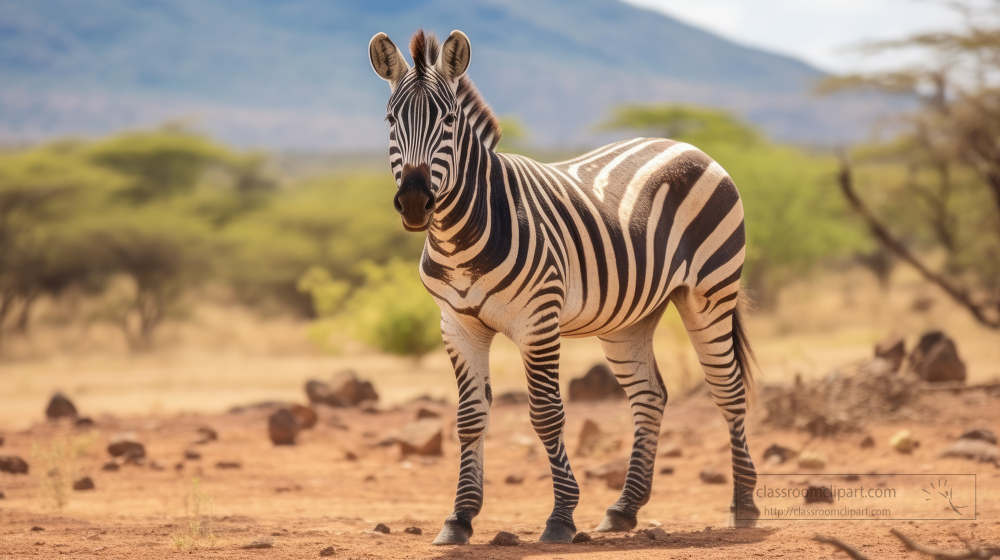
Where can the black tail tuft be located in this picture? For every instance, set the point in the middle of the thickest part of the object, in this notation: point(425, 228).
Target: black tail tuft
point(741, 347)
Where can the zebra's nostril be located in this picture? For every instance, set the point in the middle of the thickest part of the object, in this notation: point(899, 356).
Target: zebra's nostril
point(396, 203)
point(430, 204)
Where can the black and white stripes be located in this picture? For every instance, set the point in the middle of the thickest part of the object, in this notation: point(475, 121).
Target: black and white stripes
point(594, 246)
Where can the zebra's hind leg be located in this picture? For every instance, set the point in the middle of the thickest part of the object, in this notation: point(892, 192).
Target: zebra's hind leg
point(715, 331)
point(630, 352)
point(468, 347)
point(540, 353)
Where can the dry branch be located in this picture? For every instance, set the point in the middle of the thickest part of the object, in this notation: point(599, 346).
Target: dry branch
point(848, 549)
point(878, 229)
point(973, 552)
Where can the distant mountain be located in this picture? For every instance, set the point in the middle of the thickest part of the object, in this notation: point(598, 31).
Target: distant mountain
point(295, 74)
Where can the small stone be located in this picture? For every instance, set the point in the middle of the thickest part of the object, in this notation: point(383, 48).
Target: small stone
point(671, 450)
point(975, 449)
point(422, 437)
point(712, 477)
point(126, 445)
point(654, 523)
point(818, 494)
point(778, 454)
point(426, 413)
point(904, 442)
point(598, 384)
point(13, 464)
point(350, 456)
point(228, 465)
point(656, 534)
point(581, 538)
point(2, 495)
point(36, 528)
point(305, 416)
point(381, 528)
point(414, 530)
point(812, 460)
point(191, 454)
point(514, 478)
point(328, 551)
point(157, 466)
point(111, 466)
point(983, 434)
point(60, 407)
point(205, 434)
point(282, 427)
point(179, 466)
point(370, 478)
point(612, 473)
point(265, 542)
point(85, 483)
point(85, 422)
point(867, 442)
point(504, 538)
point(666, 469)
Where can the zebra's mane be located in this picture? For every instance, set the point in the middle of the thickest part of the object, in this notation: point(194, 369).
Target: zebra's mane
point(425, 49)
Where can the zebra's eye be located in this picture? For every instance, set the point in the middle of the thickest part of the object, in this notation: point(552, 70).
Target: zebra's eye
point(391, 120)
point(449, 120)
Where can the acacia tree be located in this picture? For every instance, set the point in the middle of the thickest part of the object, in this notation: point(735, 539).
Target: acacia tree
point(947, 197)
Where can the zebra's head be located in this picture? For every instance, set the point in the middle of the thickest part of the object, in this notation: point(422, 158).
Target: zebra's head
point(424, 115)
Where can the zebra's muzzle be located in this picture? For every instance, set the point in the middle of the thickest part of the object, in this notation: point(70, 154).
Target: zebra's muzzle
point(414, 200)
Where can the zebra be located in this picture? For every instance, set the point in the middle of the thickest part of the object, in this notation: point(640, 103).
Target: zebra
point(597, 246)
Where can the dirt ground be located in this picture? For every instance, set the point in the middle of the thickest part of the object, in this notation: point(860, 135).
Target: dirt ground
point(305, 498)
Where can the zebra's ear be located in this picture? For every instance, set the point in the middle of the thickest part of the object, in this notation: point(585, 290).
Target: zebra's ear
point(386, 59)
point(455, 56)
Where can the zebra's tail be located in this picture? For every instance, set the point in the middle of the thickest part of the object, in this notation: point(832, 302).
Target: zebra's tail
point(741, 347)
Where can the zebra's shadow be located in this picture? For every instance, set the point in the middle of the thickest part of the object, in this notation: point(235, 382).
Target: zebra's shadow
point(719, 538)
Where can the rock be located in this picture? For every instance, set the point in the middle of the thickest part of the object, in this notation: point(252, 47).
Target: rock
point(593, 441)
point(975, 449)
point(126, 445)
point(350, 456)
point(893, 350)
point(666, 469)
point(712, 477)
point(328, 551)
point(381, 528)
point(671, 450)
point(36, 528)
point(370, 478)
point(2, 495)
point(346, 389)
point(983, 434)
point(85, 483)
point(597, 385)
point(265, 542)
point(191, 454)
point(426, 413)
point(656, 534)
point(903, 442)
point(13, 464)
point(60, 407)
point(504, 538)
point(228, 465)
point(935, 359)
point(510, 398)
point(422, 437)
point(283, 427)
point(514, 478)
point(654, 523)
point(581, 538)
point(867, 442)
point(85, 422)
point(613, 473)
point(812, 460)
point(818, 494)
point(111, 466)
point(414, 530)
point(205, 434)
point(157, 466)
point(305, 416)
point(779, 454)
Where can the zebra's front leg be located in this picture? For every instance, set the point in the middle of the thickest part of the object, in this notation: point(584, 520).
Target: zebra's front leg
point(630, 352)
point(468, 346)
point(540, 352)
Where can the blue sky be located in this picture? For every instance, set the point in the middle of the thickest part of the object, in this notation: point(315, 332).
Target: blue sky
point(817, 31)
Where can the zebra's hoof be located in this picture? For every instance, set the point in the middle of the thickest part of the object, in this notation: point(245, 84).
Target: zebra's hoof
point(616, 522)
point(557, 532)
point(746, 517)
point(453, 533)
